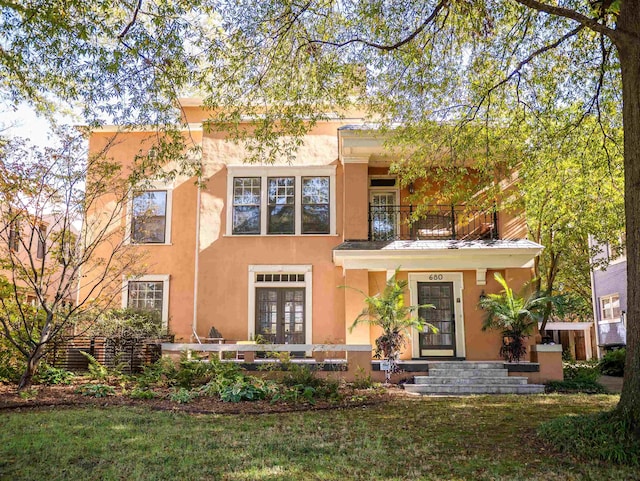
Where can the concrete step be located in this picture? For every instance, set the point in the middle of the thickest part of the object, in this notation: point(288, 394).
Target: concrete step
point(513, 380)
point(467, 364)
point(468, 372)
point(463, 389)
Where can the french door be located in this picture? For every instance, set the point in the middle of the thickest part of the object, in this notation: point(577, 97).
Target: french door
point(384, 215)
point(440, 295)
point(280, 314)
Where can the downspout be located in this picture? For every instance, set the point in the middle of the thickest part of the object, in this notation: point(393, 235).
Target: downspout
point(194, 325)
point(594, 303)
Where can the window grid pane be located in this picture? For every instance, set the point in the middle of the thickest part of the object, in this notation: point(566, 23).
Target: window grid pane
point(246, 205)
point(146, 296)
point(148, 222)
point(281, 200)
point(315, 205)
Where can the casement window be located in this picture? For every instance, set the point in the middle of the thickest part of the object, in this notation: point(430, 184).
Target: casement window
point(42, 236)
point(610, 308)
point(281, 200)
point(150, 294)
point(150, 219)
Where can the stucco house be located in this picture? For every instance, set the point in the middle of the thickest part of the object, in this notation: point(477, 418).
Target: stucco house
point(609, 291)
point(263, 249)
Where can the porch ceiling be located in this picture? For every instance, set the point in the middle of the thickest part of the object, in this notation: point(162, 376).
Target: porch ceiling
point(436, 254)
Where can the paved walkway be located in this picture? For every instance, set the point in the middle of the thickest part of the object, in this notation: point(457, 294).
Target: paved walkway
point(613, 384)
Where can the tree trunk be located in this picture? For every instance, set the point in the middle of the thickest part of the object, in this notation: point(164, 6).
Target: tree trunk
point(629, 53)
point(32, 366)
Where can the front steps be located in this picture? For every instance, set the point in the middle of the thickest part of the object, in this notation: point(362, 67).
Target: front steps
point(462, 377)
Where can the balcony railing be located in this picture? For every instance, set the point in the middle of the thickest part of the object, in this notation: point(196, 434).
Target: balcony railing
point(439, 222)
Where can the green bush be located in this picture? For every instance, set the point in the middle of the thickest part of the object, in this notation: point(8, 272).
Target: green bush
point(95, 390)
point(582, 370)
point(163, 372)
point(142, 393)
point(183, 396)
point(243, 388)
point(612, 364)
point(52, 375)
point(577, 385)
point(603, 436)
point(11, 362)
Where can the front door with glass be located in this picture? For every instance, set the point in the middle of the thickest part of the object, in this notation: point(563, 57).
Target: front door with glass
point(280, 314)
point(443, 342)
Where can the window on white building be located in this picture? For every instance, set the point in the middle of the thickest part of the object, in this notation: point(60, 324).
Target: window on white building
point(610, 307)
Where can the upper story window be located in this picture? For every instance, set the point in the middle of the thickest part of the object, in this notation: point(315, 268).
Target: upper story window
point(42, 236)
point(281, 205)
point(149, 217)
point(315, 205)
point(246, 205)
point(14, 235)
point(610, 307)
point(281, 200)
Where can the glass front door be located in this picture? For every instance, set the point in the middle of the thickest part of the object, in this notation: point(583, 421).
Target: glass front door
point(280, 314)
point(440, 295)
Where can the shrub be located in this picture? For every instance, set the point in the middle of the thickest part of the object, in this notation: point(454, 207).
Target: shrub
point(577, 385)
point(142, 393)
point(361, 380)
point(52, 375)
point(96, 370)
point(11, 362)
point(583, 370)
point(603, 436)
point(243, 388)
point(183, 396)
point(95, 390)
point(612, 364)
point(162, 372)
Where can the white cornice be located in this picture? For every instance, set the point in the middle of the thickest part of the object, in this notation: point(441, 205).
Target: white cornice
point(463, 259)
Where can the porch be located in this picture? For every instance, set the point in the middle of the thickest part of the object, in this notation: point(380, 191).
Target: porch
point(350, 361)
point(432, 222)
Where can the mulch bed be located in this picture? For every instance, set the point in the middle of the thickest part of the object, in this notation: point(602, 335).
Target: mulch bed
point(45, 397)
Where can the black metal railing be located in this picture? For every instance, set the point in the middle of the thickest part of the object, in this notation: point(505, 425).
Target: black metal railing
point(435, 222)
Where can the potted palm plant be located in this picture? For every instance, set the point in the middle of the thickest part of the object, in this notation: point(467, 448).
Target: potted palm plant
point(516, 316)
point(389, 311)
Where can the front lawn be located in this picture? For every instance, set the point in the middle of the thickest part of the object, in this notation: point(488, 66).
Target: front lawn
point(486, 437)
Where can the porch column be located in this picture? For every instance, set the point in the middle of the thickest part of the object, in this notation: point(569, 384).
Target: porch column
point(353, 305)
point(356, 201)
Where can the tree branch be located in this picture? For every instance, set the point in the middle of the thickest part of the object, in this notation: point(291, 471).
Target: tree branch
point(583, 20)
point(133, 20)
point(387, 48)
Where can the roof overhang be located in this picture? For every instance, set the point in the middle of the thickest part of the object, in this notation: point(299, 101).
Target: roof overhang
point(421, 255)
point(566, 326)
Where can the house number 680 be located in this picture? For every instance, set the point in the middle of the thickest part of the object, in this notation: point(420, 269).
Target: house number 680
point(436, 277)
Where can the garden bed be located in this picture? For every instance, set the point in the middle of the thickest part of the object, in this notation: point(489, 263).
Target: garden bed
point(60, 396)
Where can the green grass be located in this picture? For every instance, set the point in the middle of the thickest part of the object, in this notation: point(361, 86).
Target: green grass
point(479, 438)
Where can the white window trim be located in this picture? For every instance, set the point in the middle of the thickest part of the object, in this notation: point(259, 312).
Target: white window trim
point(164, 278)
point(307, 270)
point(612, 320)
point(278, 171)
point(150, 187)
point(458, 287)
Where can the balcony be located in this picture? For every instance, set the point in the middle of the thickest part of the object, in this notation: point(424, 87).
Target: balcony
point(440, 222)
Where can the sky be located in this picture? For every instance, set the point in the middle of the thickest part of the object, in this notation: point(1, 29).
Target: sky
point(25, 122)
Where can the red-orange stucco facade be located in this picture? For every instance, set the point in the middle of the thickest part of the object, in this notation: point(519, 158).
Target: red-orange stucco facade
point(269, 249)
